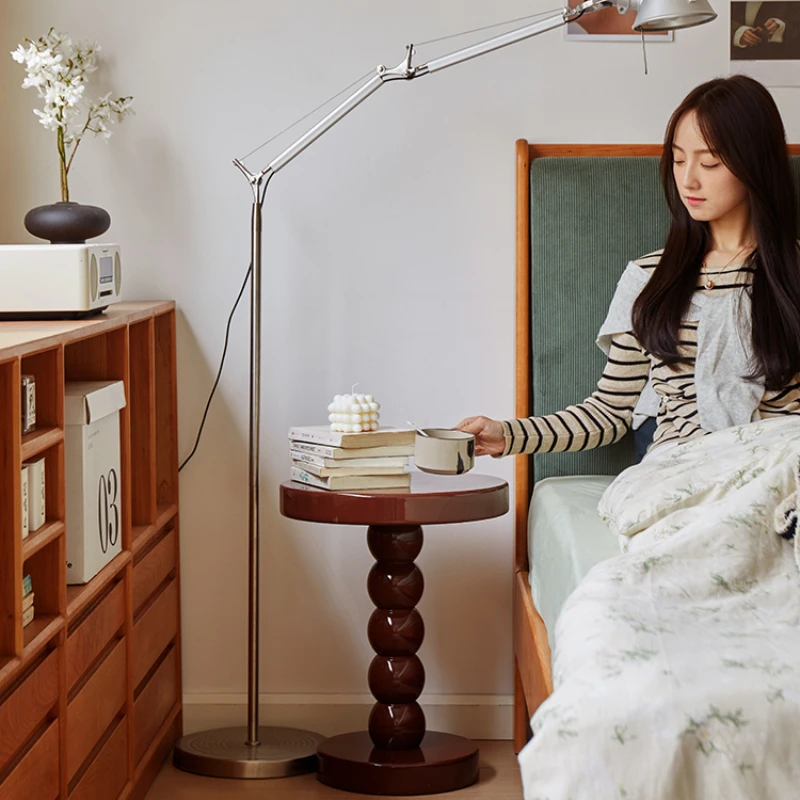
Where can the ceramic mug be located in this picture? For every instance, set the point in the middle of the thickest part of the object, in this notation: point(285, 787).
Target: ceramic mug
point(444, 451)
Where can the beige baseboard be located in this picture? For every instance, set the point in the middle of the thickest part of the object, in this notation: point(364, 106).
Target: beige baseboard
point(474, 716)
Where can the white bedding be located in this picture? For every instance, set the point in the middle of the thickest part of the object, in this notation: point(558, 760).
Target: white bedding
point(677, 663)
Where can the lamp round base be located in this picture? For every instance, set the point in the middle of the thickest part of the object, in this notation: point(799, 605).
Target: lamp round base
point(224, 753)
point(442, 763)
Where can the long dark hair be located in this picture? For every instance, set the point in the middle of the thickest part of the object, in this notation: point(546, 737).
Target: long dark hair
point(742, 126)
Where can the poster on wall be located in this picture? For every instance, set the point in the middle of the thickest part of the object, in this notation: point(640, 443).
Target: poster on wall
point(764, 41)
point(608, 25)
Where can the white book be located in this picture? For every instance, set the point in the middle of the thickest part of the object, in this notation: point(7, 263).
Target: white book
point(322, 434)
point(356, 463)
point(352, 482)
point(327, 472)
point(326, 451)
point(36, 494)
point(25, 502)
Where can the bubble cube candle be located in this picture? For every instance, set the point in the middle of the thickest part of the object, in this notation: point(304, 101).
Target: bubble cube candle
point(353, 413)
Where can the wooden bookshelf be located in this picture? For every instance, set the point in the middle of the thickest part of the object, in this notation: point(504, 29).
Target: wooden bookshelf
point(90, 690)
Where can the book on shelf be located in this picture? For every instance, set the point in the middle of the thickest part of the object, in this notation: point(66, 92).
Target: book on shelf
point(346, 453)
point(37, 499)
point(27, 616)
point(337, 471)
point(352, 482)
point(27, 586)
point(322, 434)
point(25, 512)
point(27, 601)
point(353, 463)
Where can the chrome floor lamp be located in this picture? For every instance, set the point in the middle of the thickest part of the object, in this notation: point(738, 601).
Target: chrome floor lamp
point(267, 752)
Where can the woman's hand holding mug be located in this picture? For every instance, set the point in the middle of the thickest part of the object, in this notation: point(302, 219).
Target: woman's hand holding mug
point(489, 435)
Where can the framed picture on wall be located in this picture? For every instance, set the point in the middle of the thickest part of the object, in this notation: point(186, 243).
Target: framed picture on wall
point(608, 25)
point(764, 41)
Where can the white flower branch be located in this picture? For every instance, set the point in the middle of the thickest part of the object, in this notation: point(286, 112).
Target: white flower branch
point(58, 70)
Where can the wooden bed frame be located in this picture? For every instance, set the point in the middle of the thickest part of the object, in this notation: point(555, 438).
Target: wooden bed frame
point(533, 680)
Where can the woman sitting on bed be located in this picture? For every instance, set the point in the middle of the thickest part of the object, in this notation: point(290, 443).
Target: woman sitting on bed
point(713, 319)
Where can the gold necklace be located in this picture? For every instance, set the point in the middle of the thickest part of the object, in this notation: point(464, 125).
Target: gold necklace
point(709, 284)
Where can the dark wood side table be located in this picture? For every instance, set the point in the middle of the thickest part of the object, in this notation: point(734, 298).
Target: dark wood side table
point(397, 755)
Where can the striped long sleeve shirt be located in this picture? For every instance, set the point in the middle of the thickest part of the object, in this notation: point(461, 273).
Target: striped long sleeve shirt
point(606, 416)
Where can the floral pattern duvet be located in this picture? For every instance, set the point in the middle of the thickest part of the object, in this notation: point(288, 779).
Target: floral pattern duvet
point(677, 667)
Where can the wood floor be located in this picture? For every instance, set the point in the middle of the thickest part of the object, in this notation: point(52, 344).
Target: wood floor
point(499, 780)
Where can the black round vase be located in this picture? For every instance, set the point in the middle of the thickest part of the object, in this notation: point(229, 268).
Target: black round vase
point(67, 223)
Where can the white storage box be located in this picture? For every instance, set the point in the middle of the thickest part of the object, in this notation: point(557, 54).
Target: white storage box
point(93, 478)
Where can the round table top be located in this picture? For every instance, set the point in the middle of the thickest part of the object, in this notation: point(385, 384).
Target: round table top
point(431, 500)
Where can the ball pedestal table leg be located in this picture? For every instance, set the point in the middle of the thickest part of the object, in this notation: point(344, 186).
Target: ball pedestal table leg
point(397, 756)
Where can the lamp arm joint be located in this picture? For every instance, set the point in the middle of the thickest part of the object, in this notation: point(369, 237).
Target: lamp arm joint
point(404, 71)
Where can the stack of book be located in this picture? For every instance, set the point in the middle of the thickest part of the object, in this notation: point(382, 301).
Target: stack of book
point(27, 601)
point(350, 461)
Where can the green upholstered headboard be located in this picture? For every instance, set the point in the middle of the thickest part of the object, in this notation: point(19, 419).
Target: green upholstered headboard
point(589, 216)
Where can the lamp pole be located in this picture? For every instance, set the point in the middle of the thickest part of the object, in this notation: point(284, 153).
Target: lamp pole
point(268, 752)
point(254, 452)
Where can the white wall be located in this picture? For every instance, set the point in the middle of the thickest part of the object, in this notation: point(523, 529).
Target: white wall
point(389, 260)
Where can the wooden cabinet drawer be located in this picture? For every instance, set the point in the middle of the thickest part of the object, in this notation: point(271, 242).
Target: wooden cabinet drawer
point(152, 570)
point(36, 775)
point(94, 707)
point(24, 709)
point(108, 773)
point(91, 636)
point(153, 631)
point(152, 706)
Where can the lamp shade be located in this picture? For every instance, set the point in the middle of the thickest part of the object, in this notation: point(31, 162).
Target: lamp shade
point(665, 15)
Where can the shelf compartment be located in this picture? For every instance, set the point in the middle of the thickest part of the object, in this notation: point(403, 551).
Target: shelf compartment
point(40, 632)
point(47, 367)
point(43, 555)
point(107, 773)
point(142, 402)
point(45, 635)
point(26, 706)
point(10, 511)
point(54, 505)
point(154, 702)
point(91, 711)
point(90, 636)
point(154, 630)
point(47, 568)
point(144, 534)
point(38, 441)
point(139, 531)
point(79, 597)
point(160, 747)
point(41, 538)
point(104, 357)
point(165, 411)
point(152, 568)
point(36, 775)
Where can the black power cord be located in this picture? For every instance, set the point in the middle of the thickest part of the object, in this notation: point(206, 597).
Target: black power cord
point(219, 372)
point(225, 346)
